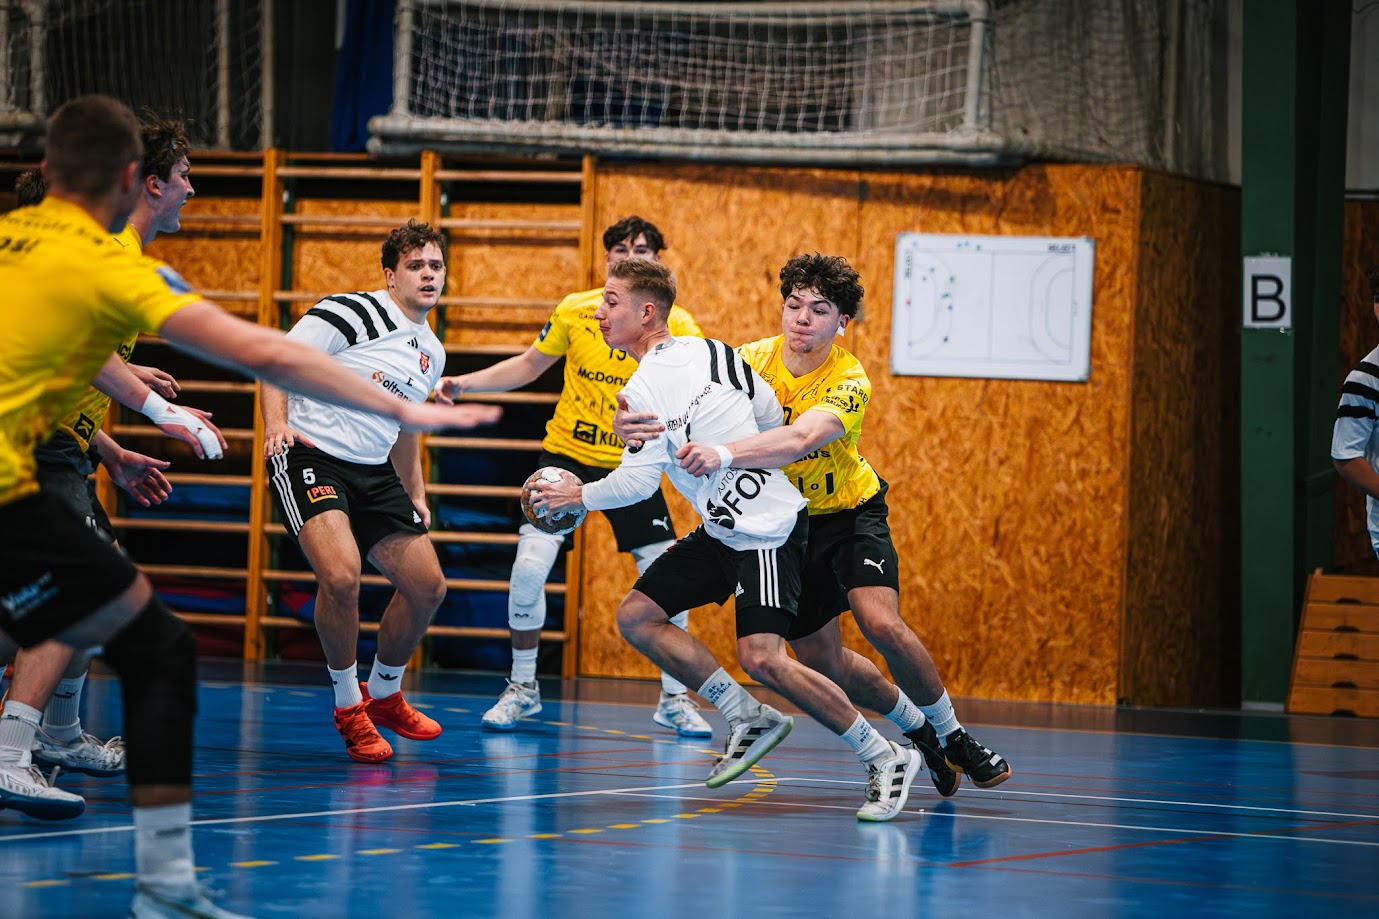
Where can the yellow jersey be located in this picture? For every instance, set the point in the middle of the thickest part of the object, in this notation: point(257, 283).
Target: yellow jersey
point(82, 423)
point(834, 477)
point(582, 426)
point(85, 294)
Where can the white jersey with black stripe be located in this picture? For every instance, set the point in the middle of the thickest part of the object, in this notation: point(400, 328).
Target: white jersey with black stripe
point(1356, 432)
point(370, 335)
point(702, 390)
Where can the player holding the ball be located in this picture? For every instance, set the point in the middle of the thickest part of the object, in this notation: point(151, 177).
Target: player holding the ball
point(852, 561)
point(751, 545)
point(580, 438)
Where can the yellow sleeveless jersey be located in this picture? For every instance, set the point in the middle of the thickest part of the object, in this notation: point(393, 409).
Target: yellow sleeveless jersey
point(86, 419)
point(834, 477)
point(83, 295)
point(582, 426)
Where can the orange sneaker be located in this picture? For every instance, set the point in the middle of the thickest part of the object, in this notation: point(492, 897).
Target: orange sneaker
point(362, 741)
point(396, 715)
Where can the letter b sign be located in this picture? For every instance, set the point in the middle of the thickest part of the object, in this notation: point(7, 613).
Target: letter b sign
point(1268, 293)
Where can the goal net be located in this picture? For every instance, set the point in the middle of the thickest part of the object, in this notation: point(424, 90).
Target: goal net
point(202, 60)
point(882, 81)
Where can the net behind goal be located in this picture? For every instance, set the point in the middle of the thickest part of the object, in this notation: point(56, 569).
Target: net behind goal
point(880, 81)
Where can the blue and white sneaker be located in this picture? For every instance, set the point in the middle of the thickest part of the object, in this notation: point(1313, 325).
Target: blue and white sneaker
point(25, 789)
point(518, 701)
point(155, 903)
point(748, 742)
point(681, 715)
point(87, 753)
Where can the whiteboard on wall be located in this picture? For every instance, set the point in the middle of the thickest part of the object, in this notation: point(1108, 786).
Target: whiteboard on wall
point(1004, 307)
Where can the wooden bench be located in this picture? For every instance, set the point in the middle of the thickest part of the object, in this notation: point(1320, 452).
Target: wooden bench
point(1336, 664)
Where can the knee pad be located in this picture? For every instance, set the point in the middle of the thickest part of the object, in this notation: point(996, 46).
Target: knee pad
point(155, 659)
point(645, 555)
point(536, 554)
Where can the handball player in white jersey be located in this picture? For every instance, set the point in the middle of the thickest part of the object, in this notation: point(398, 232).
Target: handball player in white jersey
point(751, 544)
point(348, 485)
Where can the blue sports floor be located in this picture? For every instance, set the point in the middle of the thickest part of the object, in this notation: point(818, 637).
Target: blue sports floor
point(590, 810)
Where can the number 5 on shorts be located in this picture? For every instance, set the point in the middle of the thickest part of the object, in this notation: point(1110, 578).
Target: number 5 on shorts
point(308, 476)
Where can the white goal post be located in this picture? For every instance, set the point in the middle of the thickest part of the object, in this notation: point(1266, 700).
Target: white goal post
point(883, 82)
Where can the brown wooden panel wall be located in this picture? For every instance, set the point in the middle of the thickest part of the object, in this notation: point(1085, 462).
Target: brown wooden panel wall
point(1180, 642)
point(1009, 499)
point(1359, 334)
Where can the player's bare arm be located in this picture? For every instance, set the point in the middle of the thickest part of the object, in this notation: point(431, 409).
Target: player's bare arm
point(278, 435)
point(509, 374)
point(769, 449)
point(160, 381)
point(406, 459)
point(189, 425)
point(208, 332)
point(141, 476)
point(1359, 473)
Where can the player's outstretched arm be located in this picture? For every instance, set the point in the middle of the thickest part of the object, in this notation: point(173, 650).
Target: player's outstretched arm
point(767, 450)
point(190, 425)
point(509, 374)
point(210, 333)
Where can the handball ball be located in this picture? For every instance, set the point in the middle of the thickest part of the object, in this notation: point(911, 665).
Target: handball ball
point(561, 523)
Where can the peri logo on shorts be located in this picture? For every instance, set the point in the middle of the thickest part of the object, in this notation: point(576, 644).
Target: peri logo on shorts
point(321, 493)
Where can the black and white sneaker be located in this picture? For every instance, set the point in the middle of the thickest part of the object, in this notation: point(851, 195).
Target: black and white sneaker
point(889, 785)
point(945, 778)
point(985, 768)
point(749, 741)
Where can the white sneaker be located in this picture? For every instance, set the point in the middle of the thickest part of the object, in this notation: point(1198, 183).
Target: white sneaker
point(25, 789)
point(518, 701)
point(889, 785)
point(152, 903)
point(86, 754)
point(749, 741)
point(681, 715)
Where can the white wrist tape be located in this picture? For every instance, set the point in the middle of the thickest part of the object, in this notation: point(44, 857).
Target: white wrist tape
point(163, 413)
point(725, 456)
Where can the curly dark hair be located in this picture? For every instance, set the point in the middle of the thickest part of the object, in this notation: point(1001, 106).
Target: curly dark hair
point(165, 142)
point(648, 279)
point(30, 188)
point(830, 275)
point(631, 228)
point(412, 235)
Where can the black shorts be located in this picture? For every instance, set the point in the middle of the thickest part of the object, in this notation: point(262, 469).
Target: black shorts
point(847, 549)
point(56, 571)
point(305, 482)
point(64, 482)
point(699, 569)
point(642, 524)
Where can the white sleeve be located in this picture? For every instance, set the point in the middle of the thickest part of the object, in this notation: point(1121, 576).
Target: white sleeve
point(318, 332)
point(1357, 414)
point(623, 486)
point(765, 406)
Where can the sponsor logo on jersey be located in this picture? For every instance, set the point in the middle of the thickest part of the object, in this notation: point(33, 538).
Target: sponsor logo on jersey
point(85, 428)
point(381, 379)
point(738, 486)
point(425, 361)
point(594, 436)
point(545, 330)
point(321, 493)
point(598, 376)
point(30, 597)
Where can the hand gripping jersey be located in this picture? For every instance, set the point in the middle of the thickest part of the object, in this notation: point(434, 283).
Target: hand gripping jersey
point(582, 426)
point(835, 477)
point(1356, 431)
point(84, 294)
point(370, 335)
point(703, 391)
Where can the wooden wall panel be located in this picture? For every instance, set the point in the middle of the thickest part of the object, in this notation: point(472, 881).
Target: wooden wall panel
point(330, 259)
point(1008, 496)
point(1358, 335)
point(1180, 644)
point(215, 255)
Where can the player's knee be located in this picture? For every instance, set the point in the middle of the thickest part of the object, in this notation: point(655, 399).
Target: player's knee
point(884, 631)
point(536, 554)
point(636, 614)
point(156, 649)
point(761, 664)
point(425, 593)
point(338, 586)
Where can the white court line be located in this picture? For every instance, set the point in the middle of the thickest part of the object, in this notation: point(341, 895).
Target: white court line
point(1174, 803)
point(652, 791)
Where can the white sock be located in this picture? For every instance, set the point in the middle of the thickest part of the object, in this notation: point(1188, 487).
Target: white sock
point(724, 694)
point(163, 847)
point(62, 717)
point(906, 715)
point(524, 665)
point(669, 685)
point(346, 686)
point(941, 716)
point(867, 742)
point(384, 679)
point(18, 725)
